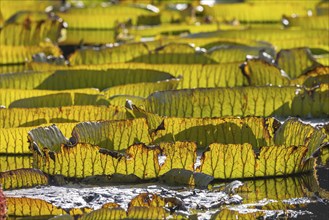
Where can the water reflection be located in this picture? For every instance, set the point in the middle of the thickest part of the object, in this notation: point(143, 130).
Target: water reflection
point(290, 197)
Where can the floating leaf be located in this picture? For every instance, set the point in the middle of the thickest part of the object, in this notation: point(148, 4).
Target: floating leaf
point(153, 121)
point(118, 135)
point(120, 100)
point(233, 53)
point(171, 53)
point(60, 100)
point(197, 75)
point(23, 80)
point(260, 72)
point(221, 161)
point(115, 54)
point(313, 78)
point(228, 161)
point(77, 79)
point(14, 162)
point(112, 135)
point(308, 103)
point(22, 17)
point(241, 101)
point(9, 8)
point(141, 89)
point(8, 96)
point(174, 54)
point(298, 42)
point(240, 161)
point(282, 160)
point(172, 30)
point(21, 54)
point(257, 11)
point(230, 154)
point(89, 99)
point(20, 207)
point(192, 75)
point(53, 100)
point(145, 162)
point(96, 17)
point(105, 213)
point(147, 200)
point(296, 61)
point(15, 141)
point(89, 36)
point(141, 161)
point(31, 32)
point(22, 178)
point(279, 38)
point(47, 137)
point(178, 155)
point(307, 22)
point(211, 42)
point(72, 161)
point(13, 68)
point(175, 48)
point(295, 133)
point(23, 117)
point(79, 211)
point(110, 205)
point(205, 131)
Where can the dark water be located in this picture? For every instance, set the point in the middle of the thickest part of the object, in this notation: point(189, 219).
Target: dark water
point(319, 209)
point(299, 197)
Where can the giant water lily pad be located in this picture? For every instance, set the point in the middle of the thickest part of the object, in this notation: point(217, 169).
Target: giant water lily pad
point(307, 22)
point(132, 120)
point(296, 61)
point(192, 75)
point(240, 101)
point(9, 96)
point(77, 79)
point(257, 11)
point(22, 178)
point(239, 161)
point(277, 155)
point(27, 117)
point(10, 55)
point(96, 17)
point(15, 161)
point(33, 32)
point(114, 54)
